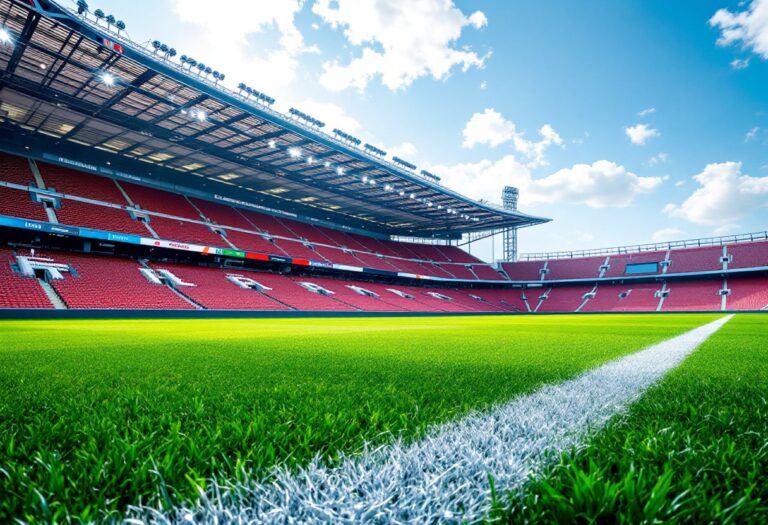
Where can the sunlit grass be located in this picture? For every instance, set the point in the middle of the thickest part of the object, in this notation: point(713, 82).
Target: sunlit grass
point(694, 449)
point(96, 415)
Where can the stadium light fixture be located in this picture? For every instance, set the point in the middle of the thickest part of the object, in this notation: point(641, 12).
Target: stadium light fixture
point(413, 196)
point(327, 164)
point(272, 144)
point(364, 179)
point(340, 171)
point(108, 79)
point(5, 36)
point(310, 160)
point(402, 193)
point(201, 116)
point(294, 152)
point(388, 187)
point(372, 182)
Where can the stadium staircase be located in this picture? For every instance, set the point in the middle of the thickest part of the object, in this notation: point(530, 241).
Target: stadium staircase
point(50, 292)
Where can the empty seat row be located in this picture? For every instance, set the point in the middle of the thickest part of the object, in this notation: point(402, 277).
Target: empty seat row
point(687, 260)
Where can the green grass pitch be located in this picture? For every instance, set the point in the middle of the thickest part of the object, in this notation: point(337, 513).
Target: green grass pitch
point(97, 415)
point(694, 449)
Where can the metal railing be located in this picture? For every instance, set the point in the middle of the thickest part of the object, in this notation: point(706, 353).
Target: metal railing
point(651, 247)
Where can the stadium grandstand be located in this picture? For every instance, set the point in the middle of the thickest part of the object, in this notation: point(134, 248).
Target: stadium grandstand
point(133, 179)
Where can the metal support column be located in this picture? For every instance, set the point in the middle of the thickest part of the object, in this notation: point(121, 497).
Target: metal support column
point(509, 199)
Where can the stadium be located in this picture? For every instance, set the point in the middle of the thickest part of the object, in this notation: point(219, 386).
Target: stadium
point(213, 311)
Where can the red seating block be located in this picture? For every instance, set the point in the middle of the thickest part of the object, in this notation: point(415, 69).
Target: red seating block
point(695, 259)
point(486, 272)
point(18, 203)
point(17, 291)
point(690, 296)
point(636, 298)
point(577, 268)
point(748, 293)
point(71, 182)
point(15, 169)
point(160, 201)
point(618, 263)
point(184, 231)
point(76, 213)
point(214, 291)
point(566, 299)
point(111, 282)
point(749, 255)
point(523, 270)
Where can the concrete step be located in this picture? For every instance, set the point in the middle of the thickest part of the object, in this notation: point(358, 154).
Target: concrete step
point(54, 297)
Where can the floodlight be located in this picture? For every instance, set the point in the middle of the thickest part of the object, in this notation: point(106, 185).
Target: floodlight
point(5, 36)
point(108, 79)
point(294, 152)
point(327, 164)
point(364, 179)
point(272, 144)
point(310, 160)
point(201, 116)
point(340, 171)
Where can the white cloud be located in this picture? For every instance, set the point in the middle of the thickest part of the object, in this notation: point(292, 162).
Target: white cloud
point(581, 140)
point(601, 184)
point(535, 150)
point(646, 112)
point(223, 40)
point(488, 127)
point(406, 150)
point(483, 85)
point(659, 158)
point(724, 196)
point(491, 128)
point(751, 134)
point(679, 184)
point(666, 235)
point(640, 133)
point(478, 20)
point(740, 63)
point(747, 28)
point(400, 41)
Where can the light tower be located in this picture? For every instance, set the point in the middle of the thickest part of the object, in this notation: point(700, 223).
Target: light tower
point(509, 200)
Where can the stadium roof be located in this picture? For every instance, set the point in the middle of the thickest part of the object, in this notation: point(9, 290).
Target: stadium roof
point(69, 80)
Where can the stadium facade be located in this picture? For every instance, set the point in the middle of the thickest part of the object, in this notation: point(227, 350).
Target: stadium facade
point(131, 178)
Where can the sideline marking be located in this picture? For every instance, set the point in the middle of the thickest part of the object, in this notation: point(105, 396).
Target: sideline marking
point(444, 476)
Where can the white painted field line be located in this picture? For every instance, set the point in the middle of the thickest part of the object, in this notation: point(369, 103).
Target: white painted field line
point(444, 477)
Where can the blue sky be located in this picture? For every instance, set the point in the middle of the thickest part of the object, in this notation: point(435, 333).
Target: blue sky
point(626, 122)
